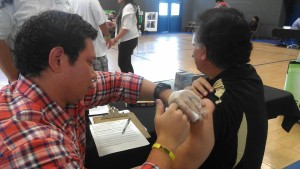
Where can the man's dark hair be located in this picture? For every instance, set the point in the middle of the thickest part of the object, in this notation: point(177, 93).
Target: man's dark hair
point(48, 30)
point(226, 35)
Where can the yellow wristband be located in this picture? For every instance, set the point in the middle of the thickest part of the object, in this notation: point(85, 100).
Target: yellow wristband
point(107, 37)
point(164, 149)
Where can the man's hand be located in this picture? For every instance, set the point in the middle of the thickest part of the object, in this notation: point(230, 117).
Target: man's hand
point(172, 126)
point(201, 87)
point(189, 103)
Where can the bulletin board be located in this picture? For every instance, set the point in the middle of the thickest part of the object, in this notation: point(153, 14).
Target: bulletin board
point(151, 21)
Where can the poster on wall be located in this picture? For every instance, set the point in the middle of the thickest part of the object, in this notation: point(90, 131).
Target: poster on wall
point(151, 21)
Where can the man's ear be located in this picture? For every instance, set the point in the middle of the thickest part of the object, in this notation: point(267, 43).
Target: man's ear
point(203, 55)
point(55, 58)
point(201, 52)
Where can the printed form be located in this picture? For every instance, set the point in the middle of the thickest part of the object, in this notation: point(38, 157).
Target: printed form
point(109, 139)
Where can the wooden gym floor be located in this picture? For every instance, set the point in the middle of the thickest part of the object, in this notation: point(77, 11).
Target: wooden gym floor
point(159, 57)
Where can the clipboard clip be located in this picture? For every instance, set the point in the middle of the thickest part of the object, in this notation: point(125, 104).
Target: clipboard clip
point(113, 113)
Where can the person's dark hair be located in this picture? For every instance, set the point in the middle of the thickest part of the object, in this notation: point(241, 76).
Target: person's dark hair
point(226, 35)
point(50, 29)
point(119, 16)
point(256, 18)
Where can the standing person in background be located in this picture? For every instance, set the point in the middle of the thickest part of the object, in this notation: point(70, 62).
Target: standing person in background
point(13, 13)
point(92, 12)
point(112, 23)
point(221, 4)
point(127, 33)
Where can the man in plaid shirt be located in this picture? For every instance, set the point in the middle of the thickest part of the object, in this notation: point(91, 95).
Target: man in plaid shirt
point(42, 120)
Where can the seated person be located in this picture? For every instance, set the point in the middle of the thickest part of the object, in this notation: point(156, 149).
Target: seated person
point(240, 123)
point(254, 23)
point(296, 24)
point(42, 114)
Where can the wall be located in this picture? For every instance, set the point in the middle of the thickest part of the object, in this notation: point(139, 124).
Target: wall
point(272, 13)
point(293, 11)
point(145, 5)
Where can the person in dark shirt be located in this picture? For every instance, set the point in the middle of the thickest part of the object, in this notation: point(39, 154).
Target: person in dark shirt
point(222, 52)
point(254, 23)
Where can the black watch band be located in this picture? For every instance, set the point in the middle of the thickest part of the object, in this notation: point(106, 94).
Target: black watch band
point(159, 88)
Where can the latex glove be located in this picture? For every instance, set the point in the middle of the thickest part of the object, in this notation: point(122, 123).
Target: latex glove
point(189, 103)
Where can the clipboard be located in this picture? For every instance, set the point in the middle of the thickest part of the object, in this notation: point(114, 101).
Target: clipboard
point(131, 115)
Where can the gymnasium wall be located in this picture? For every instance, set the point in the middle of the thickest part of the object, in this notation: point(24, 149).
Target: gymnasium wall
point(272, 13)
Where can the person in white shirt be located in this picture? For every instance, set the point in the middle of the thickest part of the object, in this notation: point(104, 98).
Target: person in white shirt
point(13, 13)
point(92, 12)
point(296, 24)
point(127, 33)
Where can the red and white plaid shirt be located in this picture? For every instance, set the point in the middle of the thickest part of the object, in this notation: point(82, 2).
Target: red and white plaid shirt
point(36, 133)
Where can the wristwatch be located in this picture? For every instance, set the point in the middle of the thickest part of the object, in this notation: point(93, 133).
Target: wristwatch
point(160, 87)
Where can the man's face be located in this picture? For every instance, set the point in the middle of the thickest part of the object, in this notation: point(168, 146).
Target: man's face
point(79, 76)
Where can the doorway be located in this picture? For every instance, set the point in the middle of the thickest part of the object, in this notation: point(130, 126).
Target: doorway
point(169, 16)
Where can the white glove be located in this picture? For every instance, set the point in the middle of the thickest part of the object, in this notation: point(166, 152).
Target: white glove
point(189, 103)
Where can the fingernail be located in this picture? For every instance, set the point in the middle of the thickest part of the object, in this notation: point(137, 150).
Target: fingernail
point(195, 117)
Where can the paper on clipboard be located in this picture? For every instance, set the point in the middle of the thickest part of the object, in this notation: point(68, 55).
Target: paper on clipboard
point(109, 138)
point(134, 119)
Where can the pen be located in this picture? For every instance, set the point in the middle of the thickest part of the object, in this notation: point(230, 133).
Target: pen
point(125, 127)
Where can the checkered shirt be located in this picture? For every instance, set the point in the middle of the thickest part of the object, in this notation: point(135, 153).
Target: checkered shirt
point(36, 133)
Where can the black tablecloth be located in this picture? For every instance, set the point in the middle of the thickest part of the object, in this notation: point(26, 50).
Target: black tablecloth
point(286, 33)
point(278, 102)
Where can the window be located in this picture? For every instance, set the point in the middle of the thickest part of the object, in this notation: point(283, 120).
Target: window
point(163, 9)
point(175, 9)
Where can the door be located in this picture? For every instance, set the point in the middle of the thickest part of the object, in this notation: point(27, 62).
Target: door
point(169, 16)
point(175, 17)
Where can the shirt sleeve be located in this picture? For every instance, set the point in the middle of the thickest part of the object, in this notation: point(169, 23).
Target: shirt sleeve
point(97, 12)
point(5, 23)
point(114, 87)
point(128, 21)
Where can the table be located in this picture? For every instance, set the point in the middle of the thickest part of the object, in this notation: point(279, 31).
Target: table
point(278, 102)
point(286, 33)
point(125, 159)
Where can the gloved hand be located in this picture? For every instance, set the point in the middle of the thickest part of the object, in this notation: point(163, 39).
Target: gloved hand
point(189, 103)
